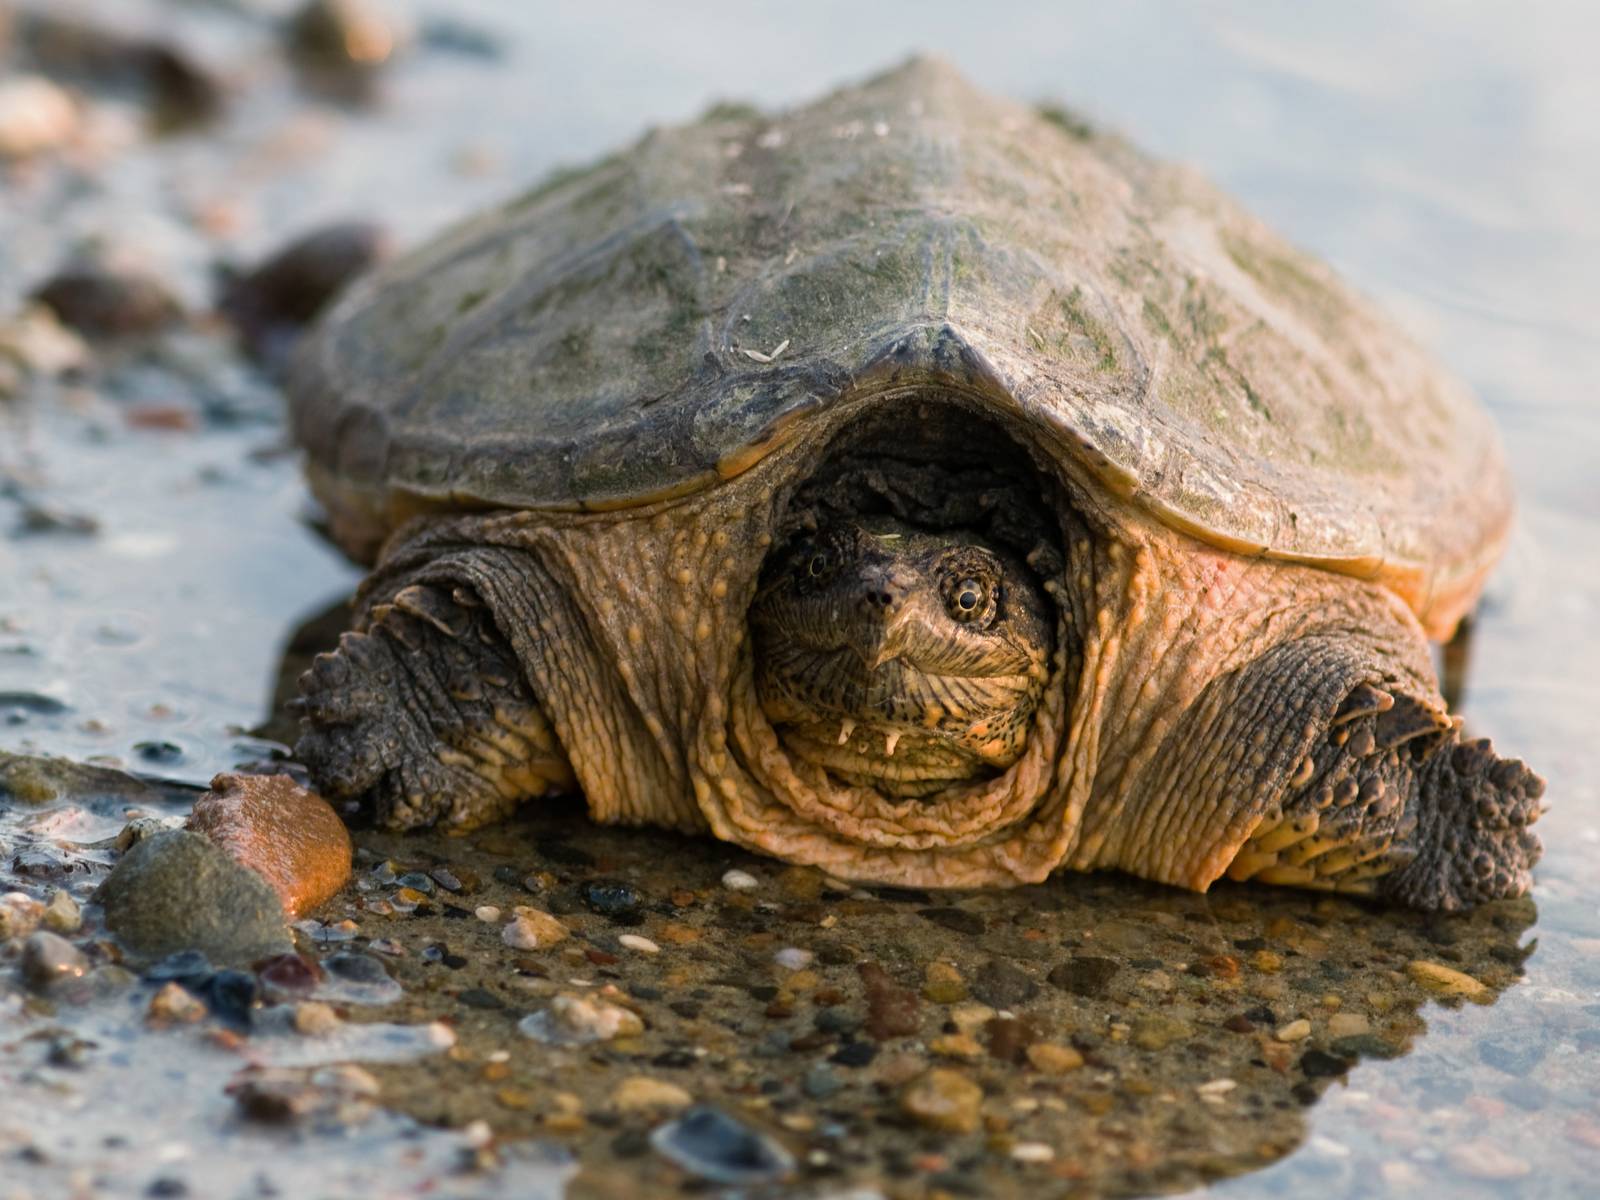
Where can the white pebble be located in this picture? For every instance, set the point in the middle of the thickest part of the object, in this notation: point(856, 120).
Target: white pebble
point(1294, 1031)
point(487, 912)
point(792, 958)
point(740, 881)
point(642, 944)
point(1032, 1152)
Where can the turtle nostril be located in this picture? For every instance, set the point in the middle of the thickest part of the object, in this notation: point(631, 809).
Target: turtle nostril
point(880, 599)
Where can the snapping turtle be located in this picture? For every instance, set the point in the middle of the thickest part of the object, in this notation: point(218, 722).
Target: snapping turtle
point(918, 486)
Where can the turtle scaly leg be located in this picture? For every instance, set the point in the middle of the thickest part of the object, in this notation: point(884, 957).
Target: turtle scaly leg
point(1391, 802)
point(426, 711)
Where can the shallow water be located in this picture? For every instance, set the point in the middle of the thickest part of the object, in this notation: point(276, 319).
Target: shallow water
point(1445, 158)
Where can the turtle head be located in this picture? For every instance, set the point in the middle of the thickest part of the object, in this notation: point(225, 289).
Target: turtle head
point(899, 658)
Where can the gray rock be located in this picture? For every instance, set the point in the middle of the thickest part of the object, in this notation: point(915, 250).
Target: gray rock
point(1003, 984)
point(176, 891)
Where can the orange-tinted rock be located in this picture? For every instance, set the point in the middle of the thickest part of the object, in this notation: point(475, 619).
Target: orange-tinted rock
point(288, 835)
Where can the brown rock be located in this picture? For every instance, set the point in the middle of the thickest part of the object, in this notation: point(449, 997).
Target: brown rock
point(1052, 1058)
point(891, 1009)
point(289, 836)
point(943, 1099)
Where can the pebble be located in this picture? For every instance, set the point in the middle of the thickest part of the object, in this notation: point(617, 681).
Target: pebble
point(642, 944)
point(351, 35)
point(1003, 984)
point(1484, 1160)
point(275, 299)
point(820, 1082)
point(942, 984)
point(641, 1093)
point(313, 1018)
point(1447, 981)
point(48, 958)
point(1294, 1031)
point(173, 1004)
point(62, 914)
point(740, 881)
point(20, 915)
point(1347, 1024)
point(531, 929)
point(35, 116)
point(892, 1011)
point(792, 958)
point(1156, 1031)
point(487, 912)
point(956, 1045)
point(1052, 1058)
point(970, 1018)
point(1085, 975)
point(710, 1145)
point(943, 1099)
point(104, 302)
point(573, 1020)
point(176, 891)
point(289, 836)
point(1033, 1152)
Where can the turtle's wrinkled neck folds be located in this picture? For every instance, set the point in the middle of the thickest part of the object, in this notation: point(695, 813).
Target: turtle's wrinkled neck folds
point(898, 658)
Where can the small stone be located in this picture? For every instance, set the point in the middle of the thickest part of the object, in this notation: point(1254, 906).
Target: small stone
point(1156, 1031)
point(1084, 975)
point(35, 116)
point(1319, 1064)
point(272, 301)
point(288, 835)
point(313, 1018)
point(1009, 1038)
point(713, 1146)
point(1348, 1024)
point(634, 942)
point(1446, 981)
point(174, 1005)
point(48, 958)
point(1052, 1058)
point(532, 929)
point(1268, 962)
point(802, 885)
point(1484, 1160)
point(104, 302)
point(613, 899)
point(820, 1082)
point(792, 958)
point(571, 1019)
point(892, 1011)
point(176, 891)
point(970, 1018)
point(487, 912)
point(956, 1045)
point(640, 1093)
point(1033, 1152)
point(739, 881)
point(1294, 1031)
point(943, 1099)
point(942, 984)
point(20, 915)
point(1003, 984)
point(355, 36)
point(62, 914)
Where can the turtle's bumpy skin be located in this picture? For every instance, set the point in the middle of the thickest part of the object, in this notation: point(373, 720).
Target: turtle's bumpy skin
point(920, 488)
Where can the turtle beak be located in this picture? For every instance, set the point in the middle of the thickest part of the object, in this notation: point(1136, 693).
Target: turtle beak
point(878, 634)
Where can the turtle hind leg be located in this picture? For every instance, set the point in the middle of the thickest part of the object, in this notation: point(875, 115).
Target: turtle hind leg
point(1391, 803)
point(426, 714)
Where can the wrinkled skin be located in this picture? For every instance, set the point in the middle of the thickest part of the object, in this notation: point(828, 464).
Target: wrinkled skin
point(900, 659)
point(1192, 713)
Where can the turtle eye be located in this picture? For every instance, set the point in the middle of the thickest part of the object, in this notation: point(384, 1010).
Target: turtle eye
point(819, 565)
point(969, 600)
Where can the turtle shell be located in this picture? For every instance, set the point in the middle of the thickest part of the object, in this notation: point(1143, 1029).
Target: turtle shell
point(651, 324)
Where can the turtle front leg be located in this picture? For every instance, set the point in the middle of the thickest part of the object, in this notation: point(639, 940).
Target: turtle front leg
point(426, 712)
point(1391, 802)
